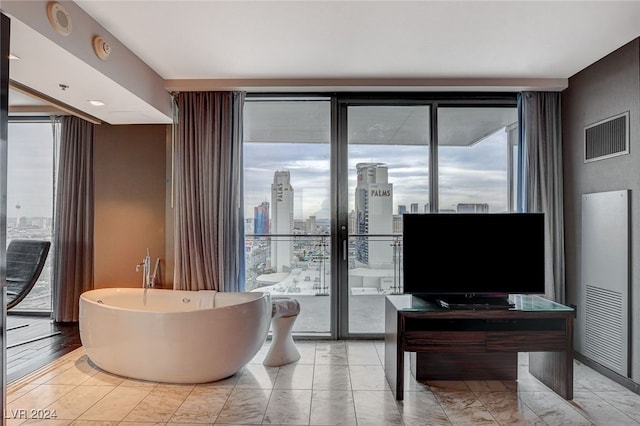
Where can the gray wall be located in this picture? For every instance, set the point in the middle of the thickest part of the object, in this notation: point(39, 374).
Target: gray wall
point(608, 87)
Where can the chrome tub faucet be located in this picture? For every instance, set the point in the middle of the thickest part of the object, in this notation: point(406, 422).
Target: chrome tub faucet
point(148, 279)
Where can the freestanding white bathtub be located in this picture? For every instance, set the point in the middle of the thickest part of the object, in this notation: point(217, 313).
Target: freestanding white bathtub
point(173, 336)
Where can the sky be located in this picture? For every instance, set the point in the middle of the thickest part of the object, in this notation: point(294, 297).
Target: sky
point(474, 174)
point(30, 169)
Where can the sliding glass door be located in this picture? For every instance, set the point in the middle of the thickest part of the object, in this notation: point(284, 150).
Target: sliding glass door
point(387, 176)
point(327, 181)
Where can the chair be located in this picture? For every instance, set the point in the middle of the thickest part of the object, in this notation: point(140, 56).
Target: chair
point(25, 260)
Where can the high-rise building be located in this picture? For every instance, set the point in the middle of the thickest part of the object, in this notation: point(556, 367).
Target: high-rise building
point(19, 221)
point(352, 222)
point(414, 207)
point(281, 221)
point(374, 214)
point(248, 225)
point(311, 225)
point(472, 208)
point(261, 219)
point(426, 208)
point(402, 209)
point(397, 224)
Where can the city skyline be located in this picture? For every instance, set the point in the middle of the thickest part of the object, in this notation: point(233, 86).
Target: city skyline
point(464, 172)
point(475, 174)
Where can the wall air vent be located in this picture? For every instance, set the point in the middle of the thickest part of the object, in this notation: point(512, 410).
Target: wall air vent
point(607, 138)
point(605, 321)
point(605, 332)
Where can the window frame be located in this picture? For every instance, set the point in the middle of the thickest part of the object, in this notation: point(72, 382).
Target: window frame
point(55, 121)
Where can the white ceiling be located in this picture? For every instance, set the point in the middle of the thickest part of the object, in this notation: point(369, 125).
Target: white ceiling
point(337, 45)
point(368, 39)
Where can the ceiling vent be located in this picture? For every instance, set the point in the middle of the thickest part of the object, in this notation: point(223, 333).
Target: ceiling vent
point(607, 138)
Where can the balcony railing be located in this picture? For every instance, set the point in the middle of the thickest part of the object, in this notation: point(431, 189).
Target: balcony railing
point(375, 269)
point(288, 263)
point(300, 263)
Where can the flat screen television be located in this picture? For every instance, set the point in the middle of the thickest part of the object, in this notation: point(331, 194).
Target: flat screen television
point(473, 254)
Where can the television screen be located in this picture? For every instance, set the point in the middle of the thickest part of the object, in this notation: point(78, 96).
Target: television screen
point(481, 254)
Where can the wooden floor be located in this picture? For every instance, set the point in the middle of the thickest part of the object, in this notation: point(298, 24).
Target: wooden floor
point(33, 342)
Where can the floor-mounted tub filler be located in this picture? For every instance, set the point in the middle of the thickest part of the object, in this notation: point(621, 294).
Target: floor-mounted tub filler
point(173, 336)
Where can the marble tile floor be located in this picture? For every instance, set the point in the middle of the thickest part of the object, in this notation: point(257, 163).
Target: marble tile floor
point(334, 383)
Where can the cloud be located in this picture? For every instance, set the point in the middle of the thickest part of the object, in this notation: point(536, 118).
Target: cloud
point(475, 174)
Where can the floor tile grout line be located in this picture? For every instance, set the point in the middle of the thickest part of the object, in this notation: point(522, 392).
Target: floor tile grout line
point(637, 421)
point(353, 395)
point(17, 400)
point(522, 401)
point(226, 400)
point(351, 361)
point(264, 415)
point(40, 372)
point(605, 402)
point(88, 408)
point(156, 386)
point(121, 385)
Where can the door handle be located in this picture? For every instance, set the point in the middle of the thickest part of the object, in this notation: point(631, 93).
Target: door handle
point(344, 249)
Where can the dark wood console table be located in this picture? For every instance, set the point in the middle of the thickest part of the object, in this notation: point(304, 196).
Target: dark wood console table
point(479, 344)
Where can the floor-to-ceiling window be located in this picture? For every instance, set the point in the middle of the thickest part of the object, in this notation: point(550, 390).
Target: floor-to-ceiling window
point(369, 160)
point(475, 146)
point(32, 152)
point(287, 204)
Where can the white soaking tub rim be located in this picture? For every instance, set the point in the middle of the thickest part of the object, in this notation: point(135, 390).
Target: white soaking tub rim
point(133, 290)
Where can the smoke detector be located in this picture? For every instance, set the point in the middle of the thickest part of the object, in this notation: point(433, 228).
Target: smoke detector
point(101, 48)
point(59, 18)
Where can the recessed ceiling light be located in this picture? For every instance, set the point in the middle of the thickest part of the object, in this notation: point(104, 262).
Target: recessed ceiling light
point(13, 57)
point(96, 102)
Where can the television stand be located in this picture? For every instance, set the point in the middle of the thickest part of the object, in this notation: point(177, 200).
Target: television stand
point(474, 302)
point(482, 344)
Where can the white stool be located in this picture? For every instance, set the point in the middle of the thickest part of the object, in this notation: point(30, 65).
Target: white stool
point(283, 350)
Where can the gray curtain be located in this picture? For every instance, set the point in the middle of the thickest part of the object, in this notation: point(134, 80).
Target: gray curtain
point(542, 190)
point(207, 176)
point(73, 230)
